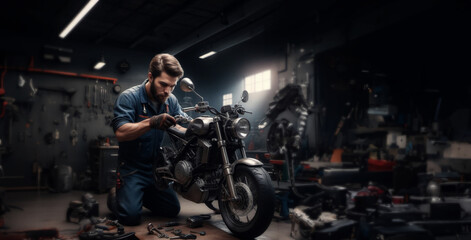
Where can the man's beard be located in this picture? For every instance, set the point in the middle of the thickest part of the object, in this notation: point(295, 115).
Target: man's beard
point(153, 90)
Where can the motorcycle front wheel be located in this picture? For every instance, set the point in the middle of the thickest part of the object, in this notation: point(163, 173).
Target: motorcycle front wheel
point(250, 215)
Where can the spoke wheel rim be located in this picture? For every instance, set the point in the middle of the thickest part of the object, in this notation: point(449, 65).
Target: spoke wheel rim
point(245, 202)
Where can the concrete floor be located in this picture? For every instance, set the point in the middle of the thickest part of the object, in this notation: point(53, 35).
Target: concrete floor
point(48, 210)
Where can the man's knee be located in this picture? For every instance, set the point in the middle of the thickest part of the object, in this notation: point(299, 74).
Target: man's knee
point(129, 215)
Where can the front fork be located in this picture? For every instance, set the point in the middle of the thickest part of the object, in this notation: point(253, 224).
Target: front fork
point(226, 166)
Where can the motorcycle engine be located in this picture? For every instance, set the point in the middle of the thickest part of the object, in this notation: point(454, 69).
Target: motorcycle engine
point(183, 171)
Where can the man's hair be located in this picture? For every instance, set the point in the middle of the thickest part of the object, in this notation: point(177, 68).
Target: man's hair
point(167, 63)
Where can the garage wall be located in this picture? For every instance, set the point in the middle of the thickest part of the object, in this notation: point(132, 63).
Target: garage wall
point(34, 131)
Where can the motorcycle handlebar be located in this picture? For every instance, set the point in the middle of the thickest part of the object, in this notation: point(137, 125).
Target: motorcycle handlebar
point(204, 106)
point(241, 110)
point(200, 107)
point(187, 109)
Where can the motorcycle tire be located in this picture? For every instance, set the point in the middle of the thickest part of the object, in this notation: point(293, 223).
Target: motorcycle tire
point(251, 215)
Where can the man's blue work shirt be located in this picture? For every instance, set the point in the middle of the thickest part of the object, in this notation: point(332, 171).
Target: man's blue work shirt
point(133, 106)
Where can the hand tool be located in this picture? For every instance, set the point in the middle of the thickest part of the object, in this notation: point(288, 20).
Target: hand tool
point(169, 224)
point(177, 232)
point(95, 89)
point(184, 236)
point(33, 89)
point(152, 230)
point(87, 95)
point(197, 221)
point(202, 233)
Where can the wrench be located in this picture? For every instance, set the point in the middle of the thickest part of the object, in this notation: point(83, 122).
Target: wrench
point(202, 233)
point(152, 230)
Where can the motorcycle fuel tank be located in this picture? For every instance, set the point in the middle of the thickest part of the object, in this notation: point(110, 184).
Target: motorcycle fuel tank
point(200, 125)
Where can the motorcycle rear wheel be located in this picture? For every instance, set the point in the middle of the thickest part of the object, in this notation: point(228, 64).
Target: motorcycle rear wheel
point(250, 215)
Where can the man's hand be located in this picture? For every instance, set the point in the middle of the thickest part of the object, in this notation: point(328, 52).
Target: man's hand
point(162, 121)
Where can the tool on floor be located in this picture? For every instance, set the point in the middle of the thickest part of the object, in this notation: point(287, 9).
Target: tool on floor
point(197, 221)
point(177, 232)
point(79, 210)
point(184, 236)
point(168, 224)
point(153, 230)
point(100, 235)
point(202, 233)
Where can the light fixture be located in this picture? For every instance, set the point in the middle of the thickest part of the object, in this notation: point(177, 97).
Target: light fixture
point(63, 55)
point(100, 64)
point(234, 39)
point(77, 18)
point(208, 54)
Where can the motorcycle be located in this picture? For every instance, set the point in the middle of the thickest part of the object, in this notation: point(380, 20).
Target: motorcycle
point(208, 162)
point(284, 139)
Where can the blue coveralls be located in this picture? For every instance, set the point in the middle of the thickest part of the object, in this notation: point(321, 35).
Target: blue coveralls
point(136, 188)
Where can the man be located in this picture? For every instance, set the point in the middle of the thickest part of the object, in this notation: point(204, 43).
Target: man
point(141, 113)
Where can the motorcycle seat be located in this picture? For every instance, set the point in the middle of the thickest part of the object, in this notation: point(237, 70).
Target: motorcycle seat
point(177, 132)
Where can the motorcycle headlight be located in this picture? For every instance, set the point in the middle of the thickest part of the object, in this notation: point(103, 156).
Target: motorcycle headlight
point(241, 128)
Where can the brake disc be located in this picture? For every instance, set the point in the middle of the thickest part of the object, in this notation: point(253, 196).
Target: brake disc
point(244, 204)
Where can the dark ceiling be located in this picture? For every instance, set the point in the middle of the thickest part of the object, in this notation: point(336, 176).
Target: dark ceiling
point(157, 25)
point(175, 26)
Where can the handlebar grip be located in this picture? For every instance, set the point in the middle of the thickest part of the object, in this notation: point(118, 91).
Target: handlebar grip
point(187, 109)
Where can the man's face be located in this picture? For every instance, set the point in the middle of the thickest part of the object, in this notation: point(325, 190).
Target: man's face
point(162, 86)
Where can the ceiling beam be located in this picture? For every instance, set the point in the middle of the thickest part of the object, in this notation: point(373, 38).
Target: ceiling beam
point(143, 35)
point(213, 27)
point(120, 23)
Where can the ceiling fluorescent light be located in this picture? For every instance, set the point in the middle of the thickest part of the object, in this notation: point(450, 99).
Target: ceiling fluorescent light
point(65, 59)
point(99, 65)
point(77, 18)
point(207, 55)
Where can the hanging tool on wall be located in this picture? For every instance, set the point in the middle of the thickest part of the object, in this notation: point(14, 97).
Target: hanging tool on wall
point(95, 90)
point(66, 117)
point(21, 81)
point(102, 97)
point(33, 89)
point(87, 96)
point(73, 135)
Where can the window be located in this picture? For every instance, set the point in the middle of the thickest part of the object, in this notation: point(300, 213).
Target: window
point(227, 99)
point(258, 82)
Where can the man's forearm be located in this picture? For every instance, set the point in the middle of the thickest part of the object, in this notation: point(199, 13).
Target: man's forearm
point(131, 131)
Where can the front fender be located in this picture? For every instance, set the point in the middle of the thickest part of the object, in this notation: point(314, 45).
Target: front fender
point(251, 162)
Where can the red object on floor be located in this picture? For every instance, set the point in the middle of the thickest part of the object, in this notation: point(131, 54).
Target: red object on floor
point(397, 199)
point(375, 165)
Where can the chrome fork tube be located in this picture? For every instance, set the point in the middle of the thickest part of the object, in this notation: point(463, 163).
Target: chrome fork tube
point(242, 148)
point(226, 167)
